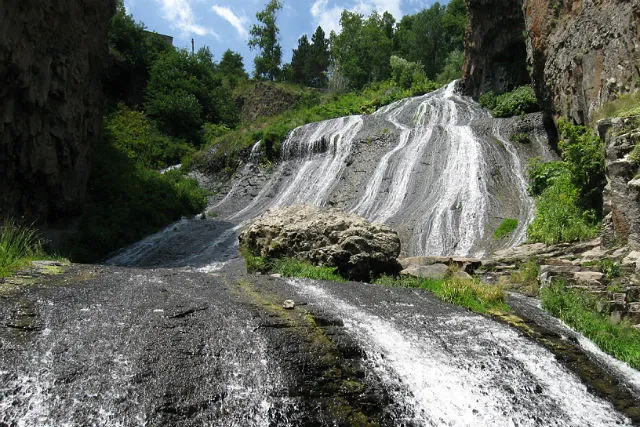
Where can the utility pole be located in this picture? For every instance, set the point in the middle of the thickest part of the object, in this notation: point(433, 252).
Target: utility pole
point(193, 47)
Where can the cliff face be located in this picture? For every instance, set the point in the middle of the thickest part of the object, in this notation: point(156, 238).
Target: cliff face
point(583, 53)
point(52, 57)
point(495, 50)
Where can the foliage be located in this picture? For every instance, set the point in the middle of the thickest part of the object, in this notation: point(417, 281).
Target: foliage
point(185, 91)
point(310, 61)
point(487, 100)
point(363, 47)
point(610, 268)
point(521, 100)
point(527, 276)
point(289, 267)
point(568, 193)
point(18, 244)
point(404, 73)
point(133, 134)
point(265, 38)
point(506, 227)
point(430, 36)
point(583, 153)
point(579, 310)
point(127, 201)
point(452, 69)
point(469, 293)
point(520, 138)
point(559, 218)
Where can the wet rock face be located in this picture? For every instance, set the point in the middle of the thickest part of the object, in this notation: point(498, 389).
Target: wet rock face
point(583, 53)
point(621, 225)
point(325, 237)
point(495, 47)
point(52, 55)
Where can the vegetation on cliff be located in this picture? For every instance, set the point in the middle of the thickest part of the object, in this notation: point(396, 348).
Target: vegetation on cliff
point(568, 193)
point(19, 243)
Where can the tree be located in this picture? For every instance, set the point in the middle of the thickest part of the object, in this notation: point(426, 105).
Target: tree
point(231, 64)
point(363, 48)
point(300, 61)
point(265, 38)
point(319, 61)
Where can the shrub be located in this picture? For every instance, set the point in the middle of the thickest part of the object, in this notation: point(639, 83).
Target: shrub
point(520, 138)
point(488, 100)
point(579, 310)
point(520, 101)
point(506, 227)
point(405, 72)
point(18, 243)
point(558, 216)
point(527, 276)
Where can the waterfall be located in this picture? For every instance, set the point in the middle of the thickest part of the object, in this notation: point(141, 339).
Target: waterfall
point(435, 167)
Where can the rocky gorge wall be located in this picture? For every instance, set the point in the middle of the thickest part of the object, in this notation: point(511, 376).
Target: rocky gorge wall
point(52, 57)
point(582, 53)
point(495, 50)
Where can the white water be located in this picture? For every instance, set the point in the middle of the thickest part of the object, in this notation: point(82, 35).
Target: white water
point(463, 369)
point(434, 181)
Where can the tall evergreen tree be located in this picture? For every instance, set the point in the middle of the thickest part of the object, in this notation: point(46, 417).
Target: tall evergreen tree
point(300, 61)
point(264, 37)
point(231, 64)
point(319, 61)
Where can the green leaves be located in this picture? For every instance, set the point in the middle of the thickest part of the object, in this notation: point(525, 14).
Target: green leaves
point(265, 38)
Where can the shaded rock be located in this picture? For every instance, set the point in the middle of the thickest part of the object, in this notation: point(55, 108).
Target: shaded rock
point(52, 59)
point(433, 271)
point(495, 49)
point(358, 248)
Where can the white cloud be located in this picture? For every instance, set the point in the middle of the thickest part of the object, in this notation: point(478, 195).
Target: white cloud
point(236, 21)
point(328, 16)
point(180, 14)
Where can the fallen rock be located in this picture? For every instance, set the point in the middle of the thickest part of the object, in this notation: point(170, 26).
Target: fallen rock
point(358, 248)
point(433, 271)
point(289, 304)
point(589, 278)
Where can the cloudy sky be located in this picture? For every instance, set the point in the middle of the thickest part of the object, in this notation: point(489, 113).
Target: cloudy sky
point(225, 24)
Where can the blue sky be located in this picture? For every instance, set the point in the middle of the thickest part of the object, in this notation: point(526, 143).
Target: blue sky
point(225, 24)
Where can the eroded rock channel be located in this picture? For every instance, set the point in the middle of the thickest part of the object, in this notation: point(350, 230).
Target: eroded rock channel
point(105, 345)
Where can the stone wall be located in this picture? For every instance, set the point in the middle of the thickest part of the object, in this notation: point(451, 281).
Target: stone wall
point(495, 50)
point(583, 53)
point(52, 57)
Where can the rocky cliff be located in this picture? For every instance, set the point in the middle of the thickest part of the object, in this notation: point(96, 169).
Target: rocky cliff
point(583, 53)
point(52, 56)
point(495, 50)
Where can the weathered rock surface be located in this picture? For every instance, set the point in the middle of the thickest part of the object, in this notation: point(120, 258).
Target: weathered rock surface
point(431, 271)
point(349, 242)
point(583, 53)
point(621, 225)
point(495, 50)
point(52, 56)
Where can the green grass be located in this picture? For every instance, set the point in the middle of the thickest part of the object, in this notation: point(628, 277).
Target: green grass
point(527, 277)
point(19, 244)
point(506, 227)
point(289, 267)
point(579, 311)
point(469, 293)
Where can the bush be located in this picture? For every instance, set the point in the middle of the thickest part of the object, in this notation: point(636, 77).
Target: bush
point(405, 72)
point(520, 138)
point(18, 243)
point(579, 310)
point(520, 101)
point(527, 277)
point(488, 100)
point(559, 218)
point(506, 227)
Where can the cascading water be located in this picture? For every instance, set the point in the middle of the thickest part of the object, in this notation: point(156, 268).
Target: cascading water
point(435, 167)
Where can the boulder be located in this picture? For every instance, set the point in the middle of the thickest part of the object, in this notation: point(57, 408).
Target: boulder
point(358, 248)
point(432, 271)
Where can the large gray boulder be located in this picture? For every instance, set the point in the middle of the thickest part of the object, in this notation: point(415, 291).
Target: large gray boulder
point(358, 248)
